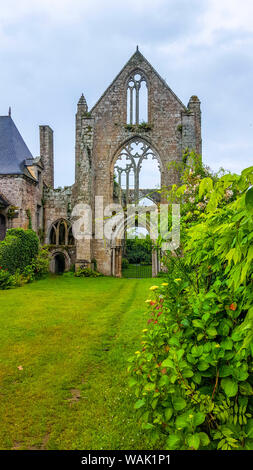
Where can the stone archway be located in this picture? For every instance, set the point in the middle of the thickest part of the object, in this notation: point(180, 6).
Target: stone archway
point(127, 162)
point(60, 261)
point(130, 158)
point(2, 227)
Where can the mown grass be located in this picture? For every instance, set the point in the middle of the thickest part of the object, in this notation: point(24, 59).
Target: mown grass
point(64, 344)
point(137, 271)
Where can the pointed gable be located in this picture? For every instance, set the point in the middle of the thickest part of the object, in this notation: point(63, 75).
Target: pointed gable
point(138, 61)
point(13, 150)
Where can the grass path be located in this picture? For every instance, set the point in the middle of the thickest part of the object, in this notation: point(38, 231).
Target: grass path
point(64, 345)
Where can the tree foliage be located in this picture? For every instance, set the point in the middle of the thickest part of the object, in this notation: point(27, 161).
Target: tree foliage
point(139, 250)
point(193, 375)
point(18, 249)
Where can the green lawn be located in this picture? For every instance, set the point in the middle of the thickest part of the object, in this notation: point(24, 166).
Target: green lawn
point(137, 271)
point(64, 344)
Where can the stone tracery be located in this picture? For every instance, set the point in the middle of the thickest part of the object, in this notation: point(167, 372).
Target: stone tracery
point(136, 100)
point(129, 164)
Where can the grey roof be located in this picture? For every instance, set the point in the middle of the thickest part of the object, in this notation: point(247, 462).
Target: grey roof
point(13, 150)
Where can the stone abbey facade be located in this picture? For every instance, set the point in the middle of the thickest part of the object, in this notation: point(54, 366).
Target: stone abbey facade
point(103, 134)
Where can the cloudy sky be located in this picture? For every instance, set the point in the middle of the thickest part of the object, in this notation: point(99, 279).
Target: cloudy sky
point(53, 50)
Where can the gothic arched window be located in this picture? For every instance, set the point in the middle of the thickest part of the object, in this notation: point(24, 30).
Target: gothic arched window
point(137, 99)
point(136, 170)
point(61, 233)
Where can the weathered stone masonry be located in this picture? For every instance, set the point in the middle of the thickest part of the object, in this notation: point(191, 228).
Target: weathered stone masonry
point(101, 133)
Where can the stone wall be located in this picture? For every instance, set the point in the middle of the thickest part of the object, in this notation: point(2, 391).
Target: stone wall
point(101, 135)
point(24, 194)
point(57, 205)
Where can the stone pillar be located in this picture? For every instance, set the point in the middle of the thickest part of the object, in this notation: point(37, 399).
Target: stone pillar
point(83, 151)
point(83, 188)
point(83, 253)
point(188, 131)
point(47, 154)
point(194, 107)
point(154, 263)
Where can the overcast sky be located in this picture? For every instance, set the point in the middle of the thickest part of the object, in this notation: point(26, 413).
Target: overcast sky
point(53, 50)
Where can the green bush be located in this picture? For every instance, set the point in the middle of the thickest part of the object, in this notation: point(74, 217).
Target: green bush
point(193, 373)
point(40, 264)
point(6, 279)
point(18, 249)
point(139, 250)
point(125, 263)
point(87, 272)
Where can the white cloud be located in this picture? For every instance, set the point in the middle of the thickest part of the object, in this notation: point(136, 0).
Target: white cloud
point(52, 50)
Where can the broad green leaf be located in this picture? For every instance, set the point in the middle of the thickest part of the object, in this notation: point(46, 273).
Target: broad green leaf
point(168, 363)
point(227, 344)
point(226, 371)
point(164, 380)
point(168, 413)
point(203, 365)
point(198, 324)
point(249, 428)
point(140, 403)
point(149, 387)
point(199, 418)
point(132, 382)
point(194, 441)
point(204, 439)
point(211, 332)
point(182, 422)
point(173, 441)
point(206, 185)
point(240, 374)
point(230, 387)
point(147, 426)
point(187, 373)
point(197, 351)
point(249, 201)
point(246, 389)
point(179, 403)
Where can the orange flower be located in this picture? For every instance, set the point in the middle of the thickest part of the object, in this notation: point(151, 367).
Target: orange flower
point(233, 306)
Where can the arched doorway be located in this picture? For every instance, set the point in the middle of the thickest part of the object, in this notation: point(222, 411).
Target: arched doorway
point(59, 261)
point(137, 181)
point(2, 227)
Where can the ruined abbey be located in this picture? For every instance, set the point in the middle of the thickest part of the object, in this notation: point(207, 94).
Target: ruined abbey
point(136, 118)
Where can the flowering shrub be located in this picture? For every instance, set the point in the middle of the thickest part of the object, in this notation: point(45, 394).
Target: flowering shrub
point(193, 375)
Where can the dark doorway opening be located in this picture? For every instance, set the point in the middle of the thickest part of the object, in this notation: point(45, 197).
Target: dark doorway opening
point(2, 227)
point(59, 263)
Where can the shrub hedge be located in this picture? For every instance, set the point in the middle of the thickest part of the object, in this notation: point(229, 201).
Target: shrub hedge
point(18, 249)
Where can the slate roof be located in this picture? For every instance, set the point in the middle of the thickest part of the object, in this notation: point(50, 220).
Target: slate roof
point(13, 150)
